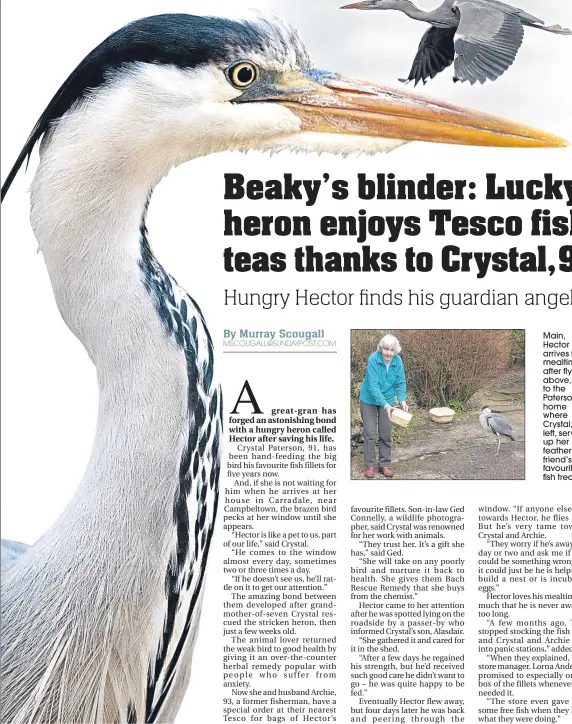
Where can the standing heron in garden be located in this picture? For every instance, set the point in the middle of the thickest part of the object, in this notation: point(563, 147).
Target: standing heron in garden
point(99, 617)
point(496, 424)
point(481, 36)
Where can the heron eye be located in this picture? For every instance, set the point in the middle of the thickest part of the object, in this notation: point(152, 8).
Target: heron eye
point(242, 74)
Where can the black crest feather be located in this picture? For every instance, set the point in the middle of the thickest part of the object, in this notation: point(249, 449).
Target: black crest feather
point(186, 41)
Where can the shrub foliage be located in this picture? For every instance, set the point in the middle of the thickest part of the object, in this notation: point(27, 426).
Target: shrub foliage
point(441, 365)
point(518, 347)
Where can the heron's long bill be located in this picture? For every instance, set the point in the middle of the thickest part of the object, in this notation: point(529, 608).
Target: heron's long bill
point(338, 104)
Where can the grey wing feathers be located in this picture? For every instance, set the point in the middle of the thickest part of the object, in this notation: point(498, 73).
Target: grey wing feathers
point(487, 41)
point(435, 53)
point(500, 425)
point(528, 19)
point(511, 10)
point(10, 550)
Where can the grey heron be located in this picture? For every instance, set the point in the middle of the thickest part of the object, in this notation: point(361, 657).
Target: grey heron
point(99, 617)
point(496, 424)
point(482, 37)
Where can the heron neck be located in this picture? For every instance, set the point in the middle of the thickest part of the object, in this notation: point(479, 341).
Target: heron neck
point(92, 247)
point(413, 11)
point(91, 242)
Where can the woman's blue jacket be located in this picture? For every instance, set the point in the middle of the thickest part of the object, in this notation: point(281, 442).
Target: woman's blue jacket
point(382, 385)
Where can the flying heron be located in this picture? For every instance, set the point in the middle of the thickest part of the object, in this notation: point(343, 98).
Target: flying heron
point(99, 617)
point(481, 36)
point(496, 424)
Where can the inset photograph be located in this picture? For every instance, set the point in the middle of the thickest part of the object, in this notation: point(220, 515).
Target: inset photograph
point(437, 404)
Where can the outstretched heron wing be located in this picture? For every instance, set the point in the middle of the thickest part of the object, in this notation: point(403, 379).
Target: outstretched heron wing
point(10, 550)
point(487, 41)
point(500, 425)
point(435, 53)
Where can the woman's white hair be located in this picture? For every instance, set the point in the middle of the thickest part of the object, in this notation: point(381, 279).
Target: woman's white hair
point(390, 342)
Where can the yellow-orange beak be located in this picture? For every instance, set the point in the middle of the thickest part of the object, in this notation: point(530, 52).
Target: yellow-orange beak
point(330, 103)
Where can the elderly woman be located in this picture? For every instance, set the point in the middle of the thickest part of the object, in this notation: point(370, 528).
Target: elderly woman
point(383, 382)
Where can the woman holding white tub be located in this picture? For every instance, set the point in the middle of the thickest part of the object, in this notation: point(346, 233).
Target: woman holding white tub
point(384, 381)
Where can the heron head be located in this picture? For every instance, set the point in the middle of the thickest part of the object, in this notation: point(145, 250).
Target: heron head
point(168, 88)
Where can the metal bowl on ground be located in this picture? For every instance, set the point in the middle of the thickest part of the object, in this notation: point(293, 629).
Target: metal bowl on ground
point(441, 415)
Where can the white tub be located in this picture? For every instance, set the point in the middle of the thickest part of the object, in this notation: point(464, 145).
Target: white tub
point(441, 415)
point(400, 417)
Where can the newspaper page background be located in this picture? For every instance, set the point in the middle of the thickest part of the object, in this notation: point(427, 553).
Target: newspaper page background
point(50, 394)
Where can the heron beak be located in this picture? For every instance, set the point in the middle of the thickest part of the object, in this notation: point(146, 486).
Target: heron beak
point(330, 103)
point(356, 6)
